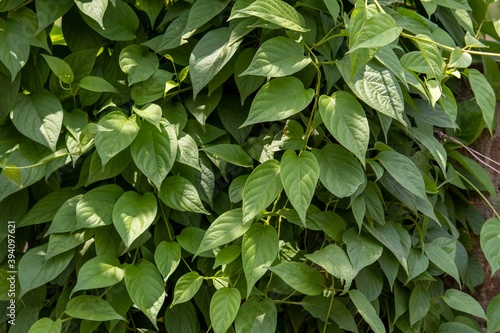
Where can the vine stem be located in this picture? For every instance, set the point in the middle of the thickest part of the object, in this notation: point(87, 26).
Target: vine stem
point(329, 311)
point(449, 48)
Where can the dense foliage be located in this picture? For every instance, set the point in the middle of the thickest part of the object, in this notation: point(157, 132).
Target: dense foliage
point(245, 166)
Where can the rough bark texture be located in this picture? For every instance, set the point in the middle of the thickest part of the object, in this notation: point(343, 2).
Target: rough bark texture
point(489, 146)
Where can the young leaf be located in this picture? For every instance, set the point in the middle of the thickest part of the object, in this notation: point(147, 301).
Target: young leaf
point(167, 257)
point(277, 57)
point(187, 286)
point(209, 56)
point(490, 243)
point(154, 151)
point(117, 133)
point(99, 272)
point(276, 12)
point(340, 172)
point(279, 99)
point(256, 315)
point(178, 193)
point(299, 175)
point(362, 251)
point(226, 228)
point(258, 249)
point(485, 96)
point(224, 306)
point(96, 206)
point(420, 302)
point(90, 307)
point(345, 119)
point(461, 301)
point(367, 311)
point(39, 117)
point(301, 277)
point(145, 288)
point(133, 214)
point(261, 188)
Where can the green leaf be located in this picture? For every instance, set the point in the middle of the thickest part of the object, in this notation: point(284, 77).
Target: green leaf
point(224, 306)
point(91, 308)
point(226, 228)
point(203, 106)
point(476, 170)
point(167, 257)
point(453, 327)
point(97, 84)
point(119, 22)
point(138, 65)
point(178, 193)
point(404, 172)
point(99, 272)
point(279, 99)
point(227, 255)
point(340, 172)
point(318, 307)
point(461, 301)
point(330, 223)
point(39, 117)
point(301, 277)
point(200, 13)
point(60, 68)
point(187, 151)
point(154, 151)
point(117, 133)
point(97, 171)
point(395, 238)
point(182, 318)
point(233, 154)
point(209, 56)
point(65, 218)
point(345, 119)
point(152, 113)
point(299, 175)
point(16, 33)
point(362, 251)
point(379, 30)
point(258, 249)
point(341, 267)
point(95, 207)
point(377, 87)
point(133, 214)
point(432, 57)
point(490, 243)
point(367, 311)
point(491, 312)
point(276, 12)
point(256, 315)
point(153, 88)
point(485, 96)
point(62, 242)
point(277, 57)
point(432, 144)
point(261, 189)
point(46, 325)
point(37, 270)
point(94, 9)
point(145, 288)
point(443, 260)
point(186, 287)
point(417, 263)
point(246, 84)
point(49, 11)
point(420, 302)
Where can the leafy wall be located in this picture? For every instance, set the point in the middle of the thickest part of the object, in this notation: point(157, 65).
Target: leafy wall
point(244, 166)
